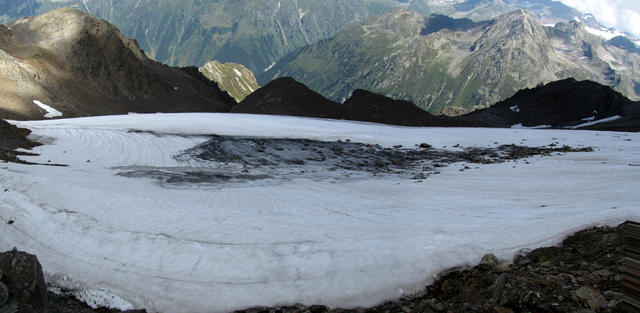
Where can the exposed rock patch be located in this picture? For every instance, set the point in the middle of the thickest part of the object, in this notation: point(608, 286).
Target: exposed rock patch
point(237, 80)
point(225, 160)
point(11, 138)
point(22, 286)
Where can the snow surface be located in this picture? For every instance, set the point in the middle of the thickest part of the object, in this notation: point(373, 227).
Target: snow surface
point(51, 112)
point(520, 126)
point(342, 243)
point(515, 109)
point(604, 33)
point(592, 122)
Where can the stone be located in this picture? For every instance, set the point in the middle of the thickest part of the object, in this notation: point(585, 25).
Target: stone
point(489, 260)
point(420, 176)
point(498, 285)
point(4, 294)
point(502, 309)
point(594, 298)
point(24, 279)
point(318, 309)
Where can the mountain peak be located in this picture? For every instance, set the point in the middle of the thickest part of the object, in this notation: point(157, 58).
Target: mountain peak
point(399, 21)
point(519, 15)
point(235, 79)
point(81, 65)
point(67, 31)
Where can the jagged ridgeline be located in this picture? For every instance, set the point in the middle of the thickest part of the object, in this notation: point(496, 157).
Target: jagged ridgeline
point(437, 61)
point(256, 33)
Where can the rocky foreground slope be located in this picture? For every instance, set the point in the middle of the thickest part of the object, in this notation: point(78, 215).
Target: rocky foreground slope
point(71, 62)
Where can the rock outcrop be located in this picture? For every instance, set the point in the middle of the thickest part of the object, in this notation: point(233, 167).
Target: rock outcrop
point(237, 80)
point(12, 138)
point(285, 96)
point(565, 103)
point(22, 285)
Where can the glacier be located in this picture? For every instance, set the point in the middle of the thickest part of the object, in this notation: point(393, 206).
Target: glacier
point(130, 242)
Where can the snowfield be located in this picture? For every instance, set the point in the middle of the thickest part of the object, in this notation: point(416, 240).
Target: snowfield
point(135, 243)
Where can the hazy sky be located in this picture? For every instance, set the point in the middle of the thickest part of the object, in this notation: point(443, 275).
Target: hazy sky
point(622, 14)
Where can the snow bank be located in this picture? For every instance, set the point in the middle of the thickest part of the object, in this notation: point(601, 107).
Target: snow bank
point(592, 122)
point(51, 112)
point(520, 126)
point(342, 243)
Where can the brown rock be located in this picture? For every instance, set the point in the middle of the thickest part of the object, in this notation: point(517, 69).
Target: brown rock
point(490, 260)
point(22, 275)
point(502, 309)
point(593, 297)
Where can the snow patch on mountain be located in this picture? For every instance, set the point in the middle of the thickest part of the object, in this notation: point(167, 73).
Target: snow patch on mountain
point(51, 112)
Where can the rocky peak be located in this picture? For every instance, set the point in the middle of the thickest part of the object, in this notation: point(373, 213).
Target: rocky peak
point(399, 21)
point(237, 80)
point(515, 31)
point(285, 96)
point(89, 44)
point(436, 22)
point(518, 22)
point(80, 65)
point(63, 29)
point(569, 31)
point(624, 43)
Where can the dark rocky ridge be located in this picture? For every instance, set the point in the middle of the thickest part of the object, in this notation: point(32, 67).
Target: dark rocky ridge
point(12, 138)
point(82, 66)
point(285, 96)
point(563, 103)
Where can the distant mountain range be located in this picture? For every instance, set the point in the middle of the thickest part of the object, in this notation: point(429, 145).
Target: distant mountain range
point(67, 63)
point(439, 62)
point(258, 33)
